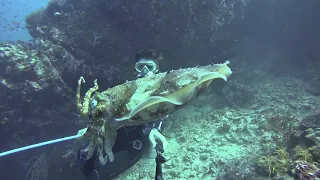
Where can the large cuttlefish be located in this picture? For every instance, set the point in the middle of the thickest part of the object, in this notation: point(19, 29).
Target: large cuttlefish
point(141, 101)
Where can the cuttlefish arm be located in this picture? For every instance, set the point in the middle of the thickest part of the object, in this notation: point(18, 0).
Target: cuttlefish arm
point(103, 116)
point(103, 159)
point(109, 140)
point(83, 107)
point(100, 116)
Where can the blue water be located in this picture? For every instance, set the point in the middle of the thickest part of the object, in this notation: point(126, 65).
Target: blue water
point(12, 15)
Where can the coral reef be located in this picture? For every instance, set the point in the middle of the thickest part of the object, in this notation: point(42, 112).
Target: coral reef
point(30, 73)
point(240, 169)
point(304, 170)
point(89, 30)
point(309, 131)
point(314, 135)
point(311, 121)
point(282, 125)
point(238, 95)
point(276, 164)
point(221, 135)
point(300, 163)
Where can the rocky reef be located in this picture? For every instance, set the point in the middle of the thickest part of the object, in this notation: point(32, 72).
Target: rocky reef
point(30, 75)
point(98, 40)
point(263, 124)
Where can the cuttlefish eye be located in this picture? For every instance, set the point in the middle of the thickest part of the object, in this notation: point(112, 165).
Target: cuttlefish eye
point(93, 103)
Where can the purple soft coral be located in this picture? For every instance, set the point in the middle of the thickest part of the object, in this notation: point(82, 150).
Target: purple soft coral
point(317, 174)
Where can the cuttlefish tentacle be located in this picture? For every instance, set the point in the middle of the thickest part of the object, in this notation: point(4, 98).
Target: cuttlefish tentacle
point(83, 107)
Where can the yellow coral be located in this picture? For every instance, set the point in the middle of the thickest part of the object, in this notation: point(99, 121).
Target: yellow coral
point(301, 153)
point(277, 163)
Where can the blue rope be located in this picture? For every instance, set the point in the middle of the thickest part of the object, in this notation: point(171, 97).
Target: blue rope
point(80, 133)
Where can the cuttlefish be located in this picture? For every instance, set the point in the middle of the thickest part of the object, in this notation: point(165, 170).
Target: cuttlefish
point(141, 101)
